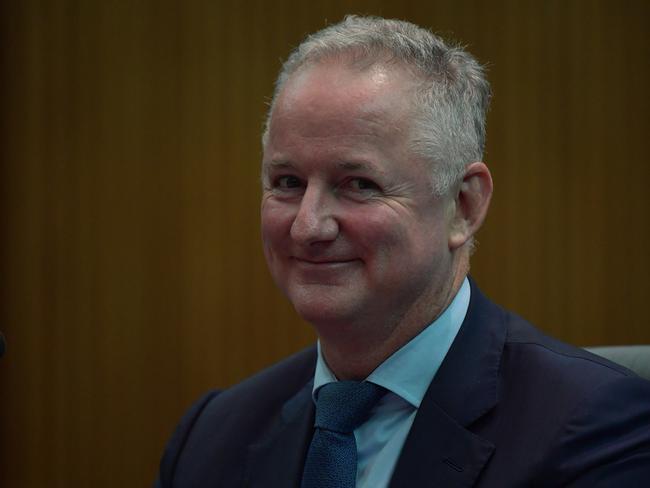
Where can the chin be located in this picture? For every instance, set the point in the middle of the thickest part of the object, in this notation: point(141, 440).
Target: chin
point(321, 308)
point(318, 314)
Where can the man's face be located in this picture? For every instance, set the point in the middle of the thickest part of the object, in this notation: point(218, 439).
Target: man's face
point(352, 232)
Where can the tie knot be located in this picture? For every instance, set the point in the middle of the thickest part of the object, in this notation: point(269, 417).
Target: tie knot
point(344, 405)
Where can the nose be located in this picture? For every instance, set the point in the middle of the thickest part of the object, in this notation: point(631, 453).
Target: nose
point(315, 220)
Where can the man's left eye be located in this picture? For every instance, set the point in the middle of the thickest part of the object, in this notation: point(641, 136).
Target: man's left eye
point(363, 184)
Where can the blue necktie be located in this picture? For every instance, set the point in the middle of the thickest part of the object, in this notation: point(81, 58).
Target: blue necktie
point(341, 407)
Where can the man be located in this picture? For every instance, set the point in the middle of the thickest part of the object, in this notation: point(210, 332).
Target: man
point(373, 188)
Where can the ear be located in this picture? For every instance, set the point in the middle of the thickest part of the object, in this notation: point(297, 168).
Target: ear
point(470, 205)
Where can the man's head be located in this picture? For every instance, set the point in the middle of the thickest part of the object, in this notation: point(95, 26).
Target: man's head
point(366, 241)
point(450, 97)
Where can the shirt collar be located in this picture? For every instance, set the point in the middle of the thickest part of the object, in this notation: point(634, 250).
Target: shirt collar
point(409, 370)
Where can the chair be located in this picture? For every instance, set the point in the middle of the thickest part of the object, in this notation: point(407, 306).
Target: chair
point(635, 358)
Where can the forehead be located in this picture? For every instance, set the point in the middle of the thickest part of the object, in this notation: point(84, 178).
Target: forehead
point(334, 91)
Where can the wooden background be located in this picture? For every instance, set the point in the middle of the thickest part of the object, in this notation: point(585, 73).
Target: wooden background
point(131, 272)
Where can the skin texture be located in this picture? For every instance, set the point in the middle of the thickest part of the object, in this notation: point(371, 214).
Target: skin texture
point(352, 232)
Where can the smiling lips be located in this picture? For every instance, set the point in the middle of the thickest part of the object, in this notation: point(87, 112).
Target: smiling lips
point(322, 263)
point(324, 271)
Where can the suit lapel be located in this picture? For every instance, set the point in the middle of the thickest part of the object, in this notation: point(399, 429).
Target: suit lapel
point(277, 461)
point(440, 450)
point(440, 453)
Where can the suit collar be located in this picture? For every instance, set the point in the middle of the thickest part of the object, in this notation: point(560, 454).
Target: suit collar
point(440, 450)
point(467, 382)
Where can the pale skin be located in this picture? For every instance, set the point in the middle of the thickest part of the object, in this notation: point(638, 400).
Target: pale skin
point(352, 232)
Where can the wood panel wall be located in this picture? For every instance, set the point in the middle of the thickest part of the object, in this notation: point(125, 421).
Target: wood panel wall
point(131, 273)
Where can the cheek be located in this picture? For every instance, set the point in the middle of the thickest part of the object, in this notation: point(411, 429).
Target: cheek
point(395, 241)
point(276, 223)
point(375, 233)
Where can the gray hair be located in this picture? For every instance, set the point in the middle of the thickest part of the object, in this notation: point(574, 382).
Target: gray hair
point(450, 103)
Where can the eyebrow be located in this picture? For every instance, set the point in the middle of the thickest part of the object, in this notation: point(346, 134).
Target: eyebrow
point(360, 166)
point(276, 164)
point(347, 165)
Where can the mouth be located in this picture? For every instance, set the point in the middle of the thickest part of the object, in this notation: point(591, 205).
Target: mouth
point(323, 262)
point(324, 271)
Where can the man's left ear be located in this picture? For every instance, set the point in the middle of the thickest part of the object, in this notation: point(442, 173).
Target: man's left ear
point(471, 204)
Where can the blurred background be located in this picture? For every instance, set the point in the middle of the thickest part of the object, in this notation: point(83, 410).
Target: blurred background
point(131, 271)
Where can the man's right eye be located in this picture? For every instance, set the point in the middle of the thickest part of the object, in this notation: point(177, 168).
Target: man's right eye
point(287, 182)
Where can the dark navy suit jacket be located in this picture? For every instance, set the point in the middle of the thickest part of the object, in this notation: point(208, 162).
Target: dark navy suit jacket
point(509, 407)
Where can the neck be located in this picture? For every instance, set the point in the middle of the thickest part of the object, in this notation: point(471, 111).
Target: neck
point(356, 354)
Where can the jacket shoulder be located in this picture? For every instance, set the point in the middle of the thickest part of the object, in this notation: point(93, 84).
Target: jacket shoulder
point(563, 415)
point(221, 424)
point(531, 349)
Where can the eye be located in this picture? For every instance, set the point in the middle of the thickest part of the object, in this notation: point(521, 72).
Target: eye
point(286, 182)
point(362, 185)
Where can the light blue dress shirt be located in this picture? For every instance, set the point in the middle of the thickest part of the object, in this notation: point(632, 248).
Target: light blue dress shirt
point(406, 375)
